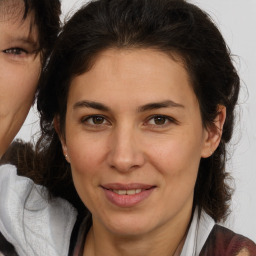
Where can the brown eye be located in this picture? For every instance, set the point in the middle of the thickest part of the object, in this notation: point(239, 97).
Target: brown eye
point(159, 120)
point(98, 120)
point(95, 120)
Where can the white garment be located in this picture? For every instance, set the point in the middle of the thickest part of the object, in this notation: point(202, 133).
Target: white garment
point(197, 235)
point(34, 225)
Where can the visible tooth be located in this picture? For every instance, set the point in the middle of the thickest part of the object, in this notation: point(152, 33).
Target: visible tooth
point(120, 192)
point(127, 192)
point(138, 190)
point(131, 192)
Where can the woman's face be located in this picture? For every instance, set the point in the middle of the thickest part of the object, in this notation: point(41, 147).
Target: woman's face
point(19, 68)
point(134, 138)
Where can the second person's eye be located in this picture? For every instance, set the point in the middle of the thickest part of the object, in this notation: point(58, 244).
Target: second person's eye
point(15, 51)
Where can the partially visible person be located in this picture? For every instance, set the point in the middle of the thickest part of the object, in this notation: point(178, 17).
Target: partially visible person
point(28, 30)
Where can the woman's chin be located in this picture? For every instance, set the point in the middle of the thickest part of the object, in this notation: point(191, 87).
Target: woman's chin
point(129, 227)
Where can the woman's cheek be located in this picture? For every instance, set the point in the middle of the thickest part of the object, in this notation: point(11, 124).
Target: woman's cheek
point(85, 155)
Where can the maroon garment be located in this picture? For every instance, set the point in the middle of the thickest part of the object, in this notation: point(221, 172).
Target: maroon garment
point(224, 242)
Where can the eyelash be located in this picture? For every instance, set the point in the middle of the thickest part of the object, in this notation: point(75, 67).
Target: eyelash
point(85, 120)
point(16, 51)
point(167, 121)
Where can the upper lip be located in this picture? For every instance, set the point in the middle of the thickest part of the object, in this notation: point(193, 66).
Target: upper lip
point(130, 186)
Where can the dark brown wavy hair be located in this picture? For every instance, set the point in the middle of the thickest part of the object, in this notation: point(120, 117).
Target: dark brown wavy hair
point(47, 19)
point(170, 26)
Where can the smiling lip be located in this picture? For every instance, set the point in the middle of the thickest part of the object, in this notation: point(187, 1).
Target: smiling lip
point(127, 195)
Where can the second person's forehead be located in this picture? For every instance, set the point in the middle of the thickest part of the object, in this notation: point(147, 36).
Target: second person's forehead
point(11, 10)
point(14, 27)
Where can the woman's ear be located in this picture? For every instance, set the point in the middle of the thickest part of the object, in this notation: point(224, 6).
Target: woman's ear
point(57, 128)
point(213, 133)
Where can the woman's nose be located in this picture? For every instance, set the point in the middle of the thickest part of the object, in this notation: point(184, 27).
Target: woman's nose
point(125, 152)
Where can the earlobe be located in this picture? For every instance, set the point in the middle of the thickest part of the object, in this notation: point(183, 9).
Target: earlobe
point(56, 123)
point(213, 133)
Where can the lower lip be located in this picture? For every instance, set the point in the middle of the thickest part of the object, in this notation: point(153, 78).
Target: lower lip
point(127, 200)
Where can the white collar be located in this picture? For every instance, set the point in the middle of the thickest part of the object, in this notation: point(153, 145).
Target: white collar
point(198, 233)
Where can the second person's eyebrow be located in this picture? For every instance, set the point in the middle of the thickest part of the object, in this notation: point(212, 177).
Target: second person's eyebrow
point(24, 40)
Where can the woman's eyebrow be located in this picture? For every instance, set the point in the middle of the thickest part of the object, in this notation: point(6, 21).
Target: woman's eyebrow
point(90, 104)
point(157, 105)
point(149, 106)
